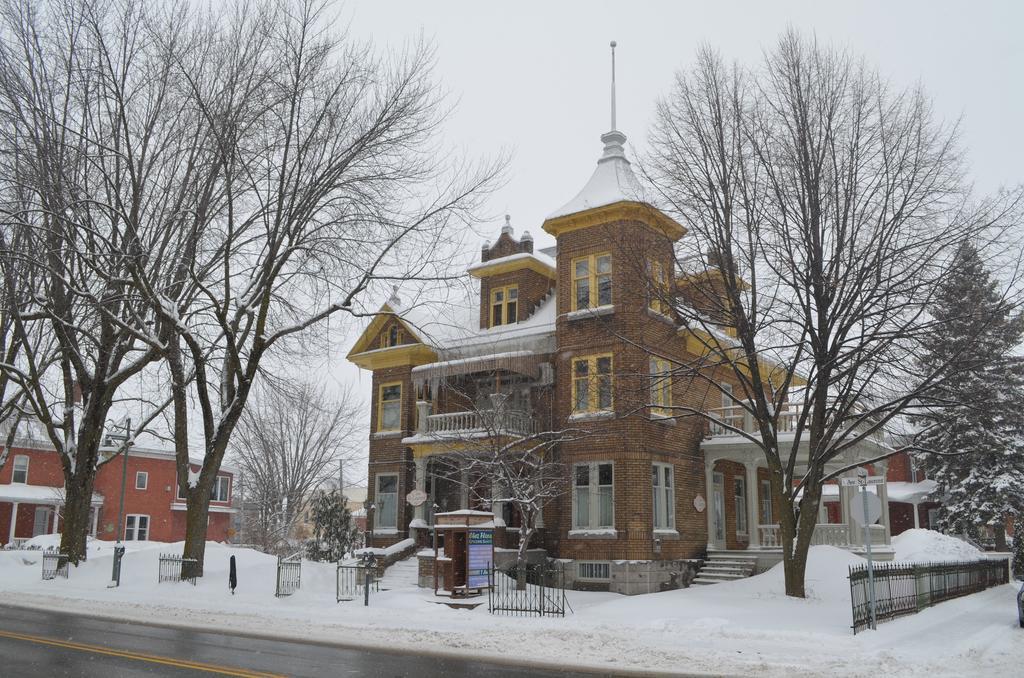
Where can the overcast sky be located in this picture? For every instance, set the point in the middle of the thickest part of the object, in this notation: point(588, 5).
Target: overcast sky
point(533, 77)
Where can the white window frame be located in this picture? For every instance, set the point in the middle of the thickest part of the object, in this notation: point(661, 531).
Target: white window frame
point(377, 525)
point(15, 471)
point(593, 521)
point(728, 399)
point(739, 500)
point(136, 529)
point(144, 477)
point(216, 486)
point(586, 570)
point(664, 515)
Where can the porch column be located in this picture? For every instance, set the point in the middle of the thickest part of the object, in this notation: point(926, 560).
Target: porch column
point(419, 512)
point(14, 522)
point(753, 519)
point(464, 492)
point(846, 495)
point(709, 483)
point(883, 494)
point(95, 518)
point(56, 513)
point(917, 518)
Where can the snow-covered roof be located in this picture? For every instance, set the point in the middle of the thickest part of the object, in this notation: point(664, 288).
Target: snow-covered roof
point(612, 181)
point(452, 328)
point(539, 257)
point(38, 494)
point(912, 493)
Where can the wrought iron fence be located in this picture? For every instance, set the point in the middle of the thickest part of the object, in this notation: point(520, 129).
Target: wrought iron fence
point(289, 574)
point(538, 592)
point(351, 581)
point(55, 564)
point(902, 589)
point(177, 568)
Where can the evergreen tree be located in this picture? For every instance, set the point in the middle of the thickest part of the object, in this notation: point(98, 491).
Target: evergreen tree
point(1018, 547)
point(975, 448)
point(333, 531)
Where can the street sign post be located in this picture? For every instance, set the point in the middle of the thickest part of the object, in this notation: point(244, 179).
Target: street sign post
point(866, 514)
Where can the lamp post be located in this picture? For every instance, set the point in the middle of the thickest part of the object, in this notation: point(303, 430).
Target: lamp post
point(368, 530)
point(126, 443)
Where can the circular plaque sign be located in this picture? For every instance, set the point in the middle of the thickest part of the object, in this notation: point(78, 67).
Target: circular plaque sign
point(416, 497)
point(699, 503)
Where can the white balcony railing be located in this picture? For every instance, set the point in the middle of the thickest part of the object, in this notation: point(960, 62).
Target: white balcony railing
point(737, 417)
point(508, 421)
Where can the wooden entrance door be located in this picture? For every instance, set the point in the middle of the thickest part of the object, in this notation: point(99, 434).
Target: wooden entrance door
point(459, 558)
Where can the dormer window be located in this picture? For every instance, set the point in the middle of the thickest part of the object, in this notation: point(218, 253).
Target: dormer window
point(393, 337)
point(592, 281)
point(504, 305)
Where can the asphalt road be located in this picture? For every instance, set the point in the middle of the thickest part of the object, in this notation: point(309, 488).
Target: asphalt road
point(38, 644)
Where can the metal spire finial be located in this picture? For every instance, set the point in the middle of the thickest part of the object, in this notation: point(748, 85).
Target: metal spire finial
point(613, 84)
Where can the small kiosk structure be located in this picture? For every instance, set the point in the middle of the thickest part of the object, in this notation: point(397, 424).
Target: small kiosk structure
point(465, 566)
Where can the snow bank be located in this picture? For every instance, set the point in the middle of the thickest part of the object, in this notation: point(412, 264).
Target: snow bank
point(929, 546)
point(747, 627)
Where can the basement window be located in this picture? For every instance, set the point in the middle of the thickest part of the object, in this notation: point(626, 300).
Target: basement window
point(594, 571)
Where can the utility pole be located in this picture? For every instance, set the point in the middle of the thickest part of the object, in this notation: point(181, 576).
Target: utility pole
point(115, 575)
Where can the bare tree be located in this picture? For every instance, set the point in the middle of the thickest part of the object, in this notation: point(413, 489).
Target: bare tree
point(508, 458)
point(822, 206)
point(101, 171)
point(290, 439)
point(331, 183)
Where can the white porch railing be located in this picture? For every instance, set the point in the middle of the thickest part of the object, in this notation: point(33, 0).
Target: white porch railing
point(825, 534)
point(509, 421)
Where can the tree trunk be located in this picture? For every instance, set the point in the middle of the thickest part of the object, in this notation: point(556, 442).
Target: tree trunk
point(1000, 530)
point(79, 486)
point(77, 502)
point(525, 533)
point(195, 530)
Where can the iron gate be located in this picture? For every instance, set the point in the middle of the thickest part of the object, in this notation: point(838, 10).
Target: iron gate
point(351, 579)
point(539, 592)
point(289, 574)
point(177, 568)
point(55, 564)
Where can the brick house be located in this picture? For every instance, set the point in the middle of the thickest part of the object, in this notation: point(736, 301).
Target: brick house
point(31, 494)
point(567, 335)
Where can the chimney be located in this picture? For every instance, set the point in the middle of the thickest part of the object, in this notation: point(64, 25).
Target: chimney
point(526, 243)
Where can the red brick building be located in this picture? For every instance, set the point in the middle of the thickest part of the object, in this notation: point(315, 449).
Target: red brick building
point(31, 496)
point(575, 336)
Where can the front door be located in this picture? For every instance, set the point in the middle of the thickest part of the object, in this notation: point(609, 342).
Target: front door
point(41, 523)
point(718, 511)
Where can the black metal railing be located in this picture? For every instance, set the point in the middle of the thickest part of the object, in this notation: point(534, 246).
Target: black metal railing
point(537, 592)
point(177, 568)
point(902, 589)
point(55, 564)
point(289, 574)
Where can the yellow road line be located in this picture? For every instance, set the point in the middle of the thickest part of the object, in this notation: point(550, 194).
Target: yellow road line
point(153, 659)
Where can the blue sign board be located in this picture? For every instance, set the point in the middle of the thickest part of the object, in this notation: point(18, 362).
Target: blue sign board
point(480, 558)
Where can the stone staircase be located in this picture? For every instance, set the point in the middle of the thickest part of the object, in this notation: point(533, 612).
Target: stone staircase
point(722, 566)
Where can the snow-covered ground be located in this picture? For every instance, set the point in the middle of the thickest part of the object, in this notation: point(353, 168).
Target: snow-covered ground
point(742, 627)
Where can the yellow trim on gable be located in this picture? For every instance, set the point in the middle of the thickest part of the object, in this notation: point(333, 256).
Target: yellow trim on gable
point(530, 263)
point(395, 356)
point(619, 211)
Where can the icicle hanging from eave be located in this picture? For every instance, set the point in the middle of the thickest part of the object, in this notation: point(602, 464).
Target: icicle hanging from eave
point(526, 363)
